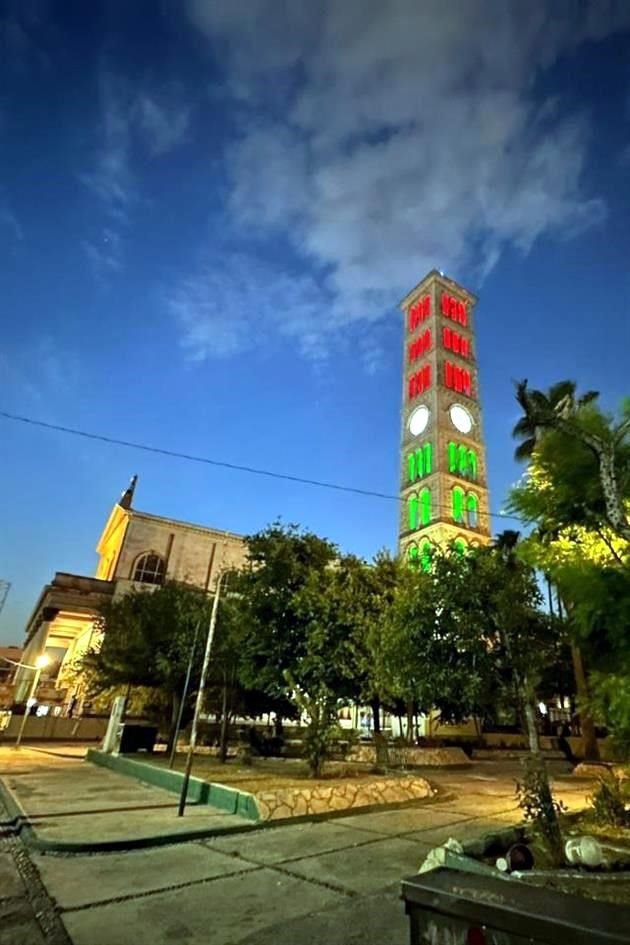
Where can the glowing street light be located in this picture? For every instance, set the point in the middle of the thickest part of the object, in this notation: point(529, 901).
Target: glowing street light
point(41, 661)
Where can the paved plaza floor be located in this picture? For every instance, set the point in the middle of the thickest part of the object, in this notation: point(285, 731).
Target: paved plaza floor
point(335, 881)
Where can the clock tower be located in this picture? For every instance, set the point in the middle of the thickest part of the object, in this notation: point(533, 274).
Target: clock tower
point(444, 492)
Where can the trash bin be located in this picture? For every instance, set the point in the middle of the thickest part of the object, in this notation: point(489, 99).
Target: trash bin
point(451, 907)
point(135, 738)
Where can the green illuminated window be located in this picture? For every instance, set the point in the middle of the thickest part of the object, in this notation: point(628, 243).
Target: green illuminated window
point(425, 506)
point(462, 461)
point(412, 509)
point(472, 510)
point(427, 453)
point(452, 457)
point(412, 554)
point(420, 462)
point(425, 556)
point(457, 499)
point(411, 467)
point(460, 546)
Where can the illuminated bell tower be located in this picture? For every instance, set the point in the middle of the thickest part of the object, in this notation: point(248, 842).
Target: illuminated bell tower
point(444, 490)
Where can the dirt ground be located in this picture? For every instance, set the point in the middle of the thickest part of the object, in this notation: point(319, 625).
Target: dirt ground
point(267, 774)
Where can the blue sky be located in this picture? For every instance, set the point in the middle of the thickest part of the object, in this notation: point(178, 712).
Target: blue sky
point(209, 211)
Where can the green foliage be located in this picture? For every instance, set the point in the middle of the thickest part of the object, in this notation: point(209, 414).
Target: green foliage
point(608, 802)
point(322, 729)
point(282, 561)
point(540, 809)
point(463, 631)
point(148, 637)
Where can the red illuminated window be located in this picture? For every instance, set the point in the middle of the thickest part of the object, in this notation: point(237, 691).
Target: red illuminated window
point(419, 312)
point(455, 342)
point(420, 346)
point(454, 309)
point(457, 379)
point(420, 382)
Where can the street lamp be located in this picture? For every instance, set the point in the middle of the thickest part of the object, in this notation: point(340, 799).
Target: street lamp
point(41, 661)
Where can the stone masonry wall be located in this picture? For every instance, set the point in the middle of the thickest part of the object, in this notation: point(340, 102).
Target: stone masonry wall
point(412, 756)
point(321, 799)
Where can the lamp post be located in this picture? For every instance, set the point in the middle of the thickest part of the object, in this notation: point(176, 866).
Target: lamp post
point(40, 662)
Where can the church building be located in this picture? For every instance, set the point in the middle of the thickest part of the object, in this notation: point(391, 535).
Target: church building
point(136, 549)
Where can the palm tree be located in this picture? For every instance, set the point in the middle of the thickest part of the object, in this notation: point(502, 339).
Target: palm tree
point(559, 409)
point(541, 409)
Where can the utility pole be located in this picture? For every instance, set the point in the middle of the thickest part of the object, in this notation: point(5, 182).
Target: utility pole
point(200, 695)
point(5, 586)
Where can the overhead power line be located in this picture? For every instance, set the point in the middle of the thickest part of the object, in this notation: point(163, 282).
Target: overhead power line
point(206, 460)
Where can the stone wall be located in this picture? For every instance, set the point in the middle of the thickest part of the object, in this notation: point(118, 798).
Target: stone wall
point(348, 795)
point(410, 757)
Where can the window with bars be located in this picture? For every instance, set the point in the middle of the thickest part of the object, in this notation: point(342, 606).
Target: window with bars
point(420, 382)
point(420, 346)
point(455, 342)
point(457, 378)
point(149, 569)
point(462, 461)
point(465, 508)
point(419, 509)
point(420, 463)
point(420, 555)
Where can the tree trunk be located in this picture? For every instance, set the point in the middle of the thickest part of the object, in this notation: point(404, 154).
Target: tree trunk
point(532, 729)
point(225, 724)
point(615, 510)
point(589, 738)
point(410, 738)
point(376, 714)
point(172, 733)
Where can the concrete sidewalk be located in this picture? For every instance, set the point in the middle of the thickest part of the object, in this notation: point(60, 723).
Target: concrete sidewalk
point(73, 806)
point(335, 881)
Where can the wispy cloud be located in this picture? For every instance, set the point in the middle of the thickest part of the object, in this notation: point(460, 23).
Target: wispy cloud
point(10, 225)
point(153, 120)
point(233, 300)
point(410, 136)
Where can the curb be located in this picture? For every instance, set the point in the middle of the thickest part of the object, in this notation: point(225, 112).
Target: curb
point(224, 798)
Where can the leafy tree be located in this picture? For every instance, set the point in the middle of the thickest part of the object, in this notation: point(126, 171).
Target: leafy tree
point(584, 453)
point(577, 493)
point(281, 561)
point(436, 655)
point(147, 641)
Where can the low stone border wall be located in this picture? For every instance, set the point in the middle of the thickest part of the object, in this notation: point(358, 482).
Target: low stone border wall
point(411, 756)
point(322, 799)
point(225, 798)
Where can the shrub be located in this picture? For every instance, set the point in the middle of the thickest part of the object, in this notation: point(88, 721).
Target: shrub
point(608, 801)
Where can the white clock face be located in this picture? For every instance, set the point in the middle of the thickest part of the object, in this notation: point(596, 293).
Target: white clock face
point(419, 420)
point(461, 418)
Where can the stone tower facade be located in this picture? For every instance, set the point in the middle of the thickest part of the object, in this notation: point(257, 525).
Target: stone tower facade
point(444, 492)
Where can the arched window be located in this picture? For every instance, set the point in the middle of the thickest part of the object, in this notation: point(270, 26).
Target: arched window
point(460, 546)
point(411, 467)
point(425, 556)
point(420, 462)
point(457, 498)
point(462, 455)
point(412, 511)
point(472, 465)
point(149, 569)
point(425, 506)
point(472, 510)
point(452, 457)
point(412, 553)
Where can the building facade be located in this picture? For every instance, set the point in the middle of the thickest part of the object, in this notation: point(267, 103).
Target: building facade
point(444, 491)
point(136, 549)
